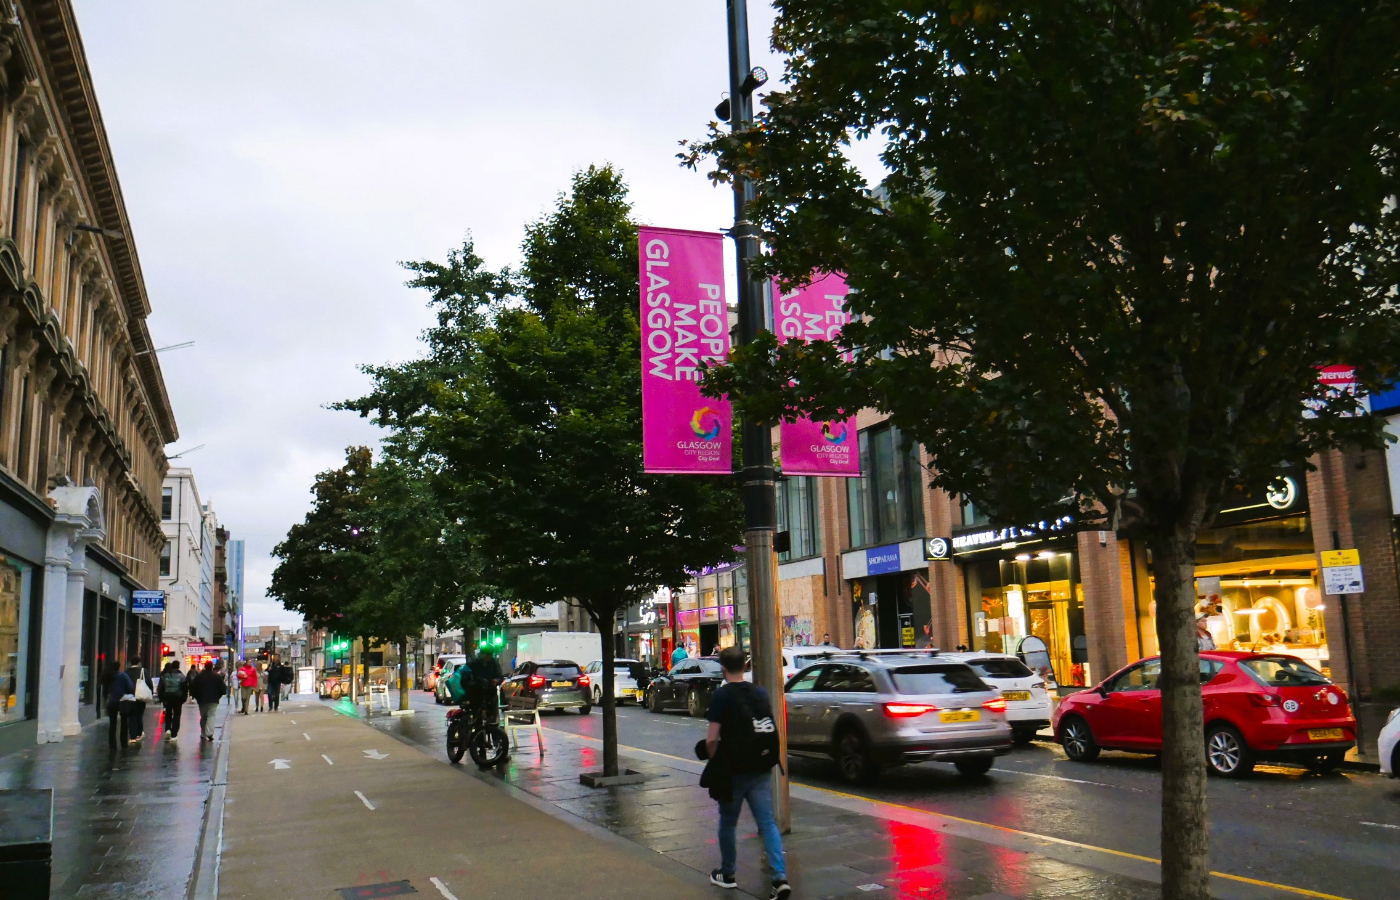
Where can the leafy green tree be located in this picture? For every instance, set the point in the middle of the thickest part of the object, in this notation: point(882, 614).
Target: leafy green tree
point(1112, 244)
point(325, 558)
point(529, 408)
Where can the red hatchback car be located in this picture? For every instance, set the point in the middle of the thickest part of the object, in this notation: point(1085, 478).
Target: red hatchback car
point(1258, 706)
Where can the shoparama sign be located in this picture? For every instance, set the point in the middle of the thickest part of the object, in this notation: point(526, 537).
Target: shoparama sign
point(685, 323)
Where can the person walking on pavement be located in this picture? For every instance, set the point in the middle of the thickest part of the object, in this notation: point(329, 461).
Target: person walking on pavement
point(141, 695)
point(274, 684)
point(119, 686)
point(261, 693)
point(174, 691)
point(743, 740)
point(247, 684)
point(207, 688)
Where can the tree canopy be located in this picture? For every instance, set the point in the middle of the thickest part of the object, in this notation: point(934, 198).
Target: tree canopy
point(1112, 244)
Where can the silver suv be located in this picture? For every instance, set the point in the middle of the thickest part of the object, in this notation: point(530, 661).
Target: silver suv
point(869, 711)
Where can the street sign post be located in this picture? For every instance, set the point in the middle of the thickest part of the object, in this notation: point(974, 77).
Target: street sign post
point(1341, 572)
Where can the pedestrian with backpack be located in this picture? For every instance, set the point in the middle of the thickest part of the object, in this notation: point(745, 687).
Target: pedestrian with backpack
point(174, 691)
point(743, 742)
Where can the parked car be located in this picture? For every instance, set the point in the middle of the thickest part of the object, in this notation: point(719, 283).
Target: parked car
point(1258, 706)
point(687, 686)
point(549, 684)
point(628, 676)
point(795, 659)
point(430, 680)
point(449, 665)
point(1388, 746)
point(867, 712)
point(1028, 706)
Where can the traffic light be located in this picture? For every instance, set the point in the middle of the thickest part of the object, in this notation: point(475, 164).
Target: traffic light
point(164, 649)
point(492, 639)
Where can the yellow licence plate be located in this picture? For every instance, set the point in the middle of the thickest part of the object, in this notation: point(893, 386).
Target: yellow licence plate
point(561, 684)
point(1324, 734)
point(1016, 695)
point(959, 715)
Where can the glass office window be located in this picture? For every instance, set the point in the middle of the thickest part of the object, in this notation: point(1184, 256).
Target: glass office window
point(797, 515)
point(887, 502)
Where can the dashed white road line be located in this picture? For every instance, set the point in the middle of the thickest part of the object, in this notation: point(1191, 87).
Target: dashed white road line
point(1381, 825)
point(364, 800)
point(329, 761)
point(293, 721)
point(305, 735)
point(442, 889)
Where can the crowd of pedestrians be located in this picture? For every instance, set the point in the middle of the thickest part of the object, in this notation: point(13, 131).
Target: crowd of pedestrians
point(129, 689)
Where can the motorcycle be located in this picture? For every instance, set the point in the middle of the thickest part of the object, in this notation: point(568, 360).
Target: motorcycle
point(475, 728)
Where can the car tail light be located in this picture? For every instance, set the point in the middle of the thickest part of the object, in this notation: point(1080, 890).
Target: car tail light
point(537, 681)
point(1264, 699)
point(996, 704)
point(908, 710)
point(583, 681)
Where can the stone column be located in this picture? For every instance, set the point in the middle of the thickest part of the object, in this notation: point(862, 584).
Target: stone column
point(77, 520)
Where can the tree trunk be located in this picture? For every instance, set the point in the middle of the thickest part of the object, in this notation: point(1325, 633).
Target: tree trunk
point(1185, 851)
point(605, 627)
point(403, 673)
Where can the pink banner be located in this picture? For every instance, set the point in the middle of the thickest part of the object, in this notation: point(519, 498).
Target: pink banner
point(816, 313)
point(685, 322)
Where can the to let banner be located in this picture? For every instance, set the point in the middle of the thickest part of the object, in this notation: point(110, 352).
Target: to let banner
point(685, 323)
point(816, 313)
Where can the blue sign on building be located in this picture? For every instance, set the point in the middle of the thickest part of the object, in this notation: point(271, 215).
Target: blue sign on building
point(882, 560)
point(148, 602)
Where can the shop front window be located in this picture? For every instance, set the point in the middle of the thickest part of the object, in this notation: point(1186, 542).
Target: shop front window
point(797, 515)
point(886, 503)
point(1031, 596)
point(14, 639)
point(1256, 585)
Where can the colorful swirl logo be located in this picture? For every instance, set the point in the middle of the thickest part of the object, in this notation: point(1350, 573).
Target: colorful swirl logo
point(705, 423)
point(834, 432)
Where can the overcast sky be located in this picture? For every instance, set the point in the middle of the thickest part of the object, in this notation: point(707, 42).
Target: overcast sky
point(279, 159)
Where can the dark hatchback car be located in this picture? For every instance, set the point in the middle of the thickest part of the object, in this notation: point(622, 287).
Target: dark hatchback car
point(549, 684)
point(687, 686)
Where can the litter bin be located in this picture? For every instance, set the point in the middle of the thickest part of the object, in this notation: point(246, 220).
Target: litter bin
point(26, 843)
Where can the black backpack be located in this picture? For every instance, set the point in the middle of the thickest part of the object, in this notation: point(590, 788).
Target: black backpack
point(171, 684)
point(751, 741)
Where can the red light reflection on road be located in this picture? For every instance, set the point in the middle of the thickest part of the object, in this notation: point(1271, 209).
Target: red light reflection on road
point(587, 756)
point(913, 849)
point(1011, 869)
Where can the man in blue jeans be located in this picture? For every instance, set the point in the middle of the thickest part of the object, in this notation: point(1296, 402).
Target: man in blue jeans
point(735, 701)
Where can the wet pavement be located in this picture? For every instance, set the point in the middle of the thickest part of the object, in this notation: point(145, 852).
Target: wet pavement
point(126, 824)
point(832, 852)
point(1307, 835)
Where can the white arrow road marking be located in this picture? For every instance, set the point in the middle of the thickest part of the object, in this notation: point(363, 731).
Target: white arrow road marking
point(281, 763)
point(442, 889)
point(364, 800)
point(375, 754)
point(329, 761)
point(305, 735)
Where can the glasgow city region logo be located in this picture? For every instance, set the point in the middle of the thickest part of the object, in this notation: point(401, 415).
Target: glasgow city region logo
point(705, 423)
point(834, 432)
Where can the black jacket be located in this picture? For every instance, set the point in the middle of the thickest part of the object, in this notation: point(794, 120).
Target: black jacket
point(180, 696)
point(208, 687)
point(717, 777)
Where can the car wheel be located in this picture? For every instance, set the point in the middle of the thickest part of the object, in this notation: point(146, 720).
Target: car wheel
point(1226, 752)
point(1395, 762)
point(585, 710)
point(975, 767)
point(1022, 736)
point(653, 702)
point(1078, 740)
point(598, 696)
point(1323, 763)
point(853, 759)
point(694, 705)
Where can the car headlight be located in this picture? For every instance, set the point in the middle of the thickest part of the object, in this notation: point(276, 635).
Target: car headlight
point(1393, 713)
